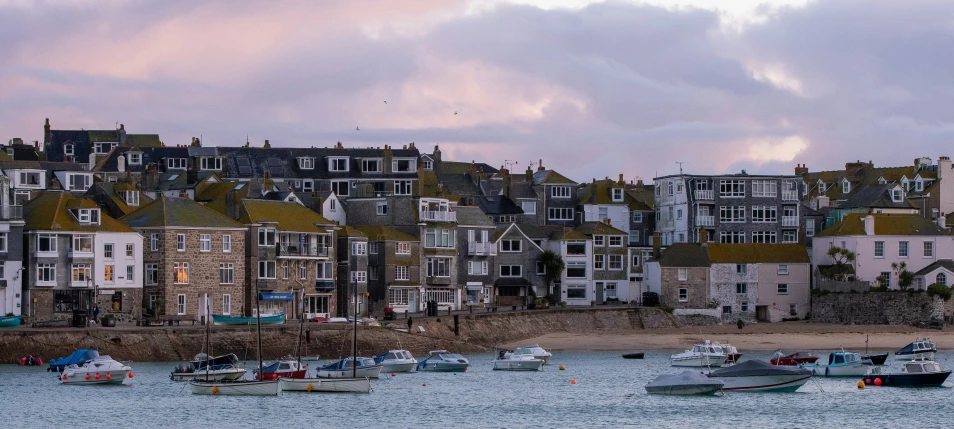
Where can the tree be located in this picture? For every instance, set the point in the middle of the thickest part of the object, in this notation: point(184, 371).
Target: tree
point(553, 266)
point(843, 267)
point(905, 277)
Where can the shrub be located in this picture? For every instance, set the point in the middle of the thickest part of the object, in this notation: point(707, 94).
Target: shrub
point(939, 290)
point(666, 308)
point(878, 289)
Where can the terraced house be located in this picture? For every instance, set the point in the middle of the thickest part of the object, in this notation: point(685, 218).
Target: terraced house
point(352, 272)
point(194, 260)
point(609, 263)
point(11, 252)
point(394, 268)
point(518, 277)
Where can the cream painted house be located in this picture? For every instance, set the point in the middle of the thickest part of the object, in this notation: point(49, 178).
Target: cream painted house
point(764, 282)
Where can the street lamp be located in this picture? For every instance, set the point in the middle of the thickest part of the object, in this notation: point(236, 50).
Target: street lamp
point(89, 304)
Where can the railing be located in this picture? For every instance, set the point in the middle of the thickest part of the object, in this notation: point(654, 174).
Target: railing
point(789, 220)
point(427, 215)
point(437, 280)
point(11, 212)
point(705, 220)
point(485, 248)
point(704, 194)
point(789, 195)
point(302, 250)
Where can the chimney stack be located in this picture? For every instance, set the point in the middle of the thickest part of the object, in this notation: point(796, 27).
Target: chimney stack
point(506, 182)
point(540, 166)
point(657, 243)
point(267, 144)
point(437, 153)
point(621, 181)
point(941, 221)
point(800, 169)
point(869, 221)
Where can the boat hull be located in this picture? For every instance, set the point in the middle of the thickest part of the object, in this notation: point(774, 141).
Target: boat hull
point(927, 355)
point(212, 375)
point(850, 370)
point(697, 362)
point(929, 379)
point(326, 385)
point(683, 390)
point(876, 358)
point(764, 383)
point(235, 388)
point(633, 355)
point(363, 372)
point(398, 367)
point(79, 377)
point(9, 321)
point(236, 320)
point(443, 367)
point(518, 365)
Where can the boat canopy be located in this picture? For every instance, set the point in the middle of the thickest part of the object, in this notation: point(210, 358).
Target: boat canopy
point(685, 378)
point(755, 368)
point(78, 357)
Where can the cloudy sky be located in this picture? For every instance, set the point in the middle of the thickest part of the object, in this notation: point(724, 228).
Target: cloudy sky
point(594, 88)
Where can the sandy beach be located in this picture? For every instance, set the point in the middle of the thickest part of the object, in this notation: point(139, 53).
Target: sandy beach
point(764, 336)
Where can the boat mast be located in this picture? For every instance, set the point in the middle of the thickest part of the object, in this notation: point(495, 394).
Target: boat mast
point(301, 327)
point(258, 322)
point(354, 340)
point(208, 337)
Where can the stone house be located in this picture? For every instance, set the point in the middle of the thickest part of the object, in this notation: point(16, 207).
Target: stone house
point(558, 197)
point(78, 257)
point(476, 266)
point(194, 259)
point(609, 261)
point(518, 276)
point(80, 145)
point(680, 276)
point(394, 269)
point(764, 282)
point(353, 271)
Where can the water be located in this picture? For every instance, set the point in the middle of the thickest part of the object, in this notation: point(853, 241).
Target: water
point(609, 393)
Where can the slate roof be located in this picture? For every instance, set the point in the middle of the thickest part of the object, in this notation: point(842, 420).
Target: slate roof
point(150, 155)
point(110, 191)
point(283, 162)
point(177, 212)
point(454, 167)
point(51, 212)
point(874, 196)
point(383, 233)
point(940, 263)
point(550, 177)
point(498, 205)
point(884, 224)
point(864, 174)
point(472, 216)
point(598, 228)
point(752, 253)
point(291, 217)
point(684, 255)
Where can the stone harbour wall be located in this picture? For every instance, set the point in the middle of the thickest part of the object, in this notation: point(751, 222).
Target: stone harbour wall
point(877, 308)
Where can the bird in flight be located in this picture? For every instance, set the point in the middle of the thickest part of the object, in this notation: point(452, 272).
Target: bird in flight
point(455, 112)
point(357, 128)
point(385, 101)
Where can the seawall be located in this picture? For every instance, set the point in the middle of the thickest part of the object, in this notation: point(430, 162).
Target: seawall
point(877, 308)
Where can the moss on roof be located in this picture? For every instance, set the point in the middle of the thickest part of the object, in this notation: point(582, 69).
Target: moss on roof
point(603, 189)
point(383, 233)
point(598, 228)
point(551, 177)
point(211, 191)
point(752, 253)
point(51, 211)
point(177, 212)
point(884, 224)
point(291, 217)
point(570, 235)
point(347, 231)
point(684, 255)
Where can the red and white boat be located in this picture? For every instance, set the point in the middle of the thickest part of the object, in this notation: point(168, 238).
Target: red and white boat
point(794, 359)
point(284, 369)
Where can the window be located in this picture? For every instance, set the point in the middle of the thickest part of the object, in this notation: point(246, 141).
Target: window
point(557, 213)
point(226, 304)
point(884, 280)
point(896, 195)
point(285, 270)
point(266, 236)
point(130, 273)
point(398, 296)
point(610, 290)
point(793, 309)
point(181, 304)
point(745, 306)
point(782, 269)
point(337, 164)
point(726, 309)
point(617, 194)
point(789, 236)
point(402, 187)
point(782, 289)
point(135, 158)
point(130, 250)
point(541, 268)
point(266, 269)
point(428, 165)
point(68, 150)
point(371, 165)
point(941, 279)
point(599, 262)
point(576, 291)
point(511, 246)
point(918, 185)
point(340, 187)
point(764, 214)
point(732, 188)
point(438, 267)
point(764, 188)
point(637, 217)
point(154, 242)
point(180, 272)
point(359, 277)
point(603, 213)
point(403, 165)
point(176, 164)
point(434, 238)
point(402, 272)
point(307, 163)
point(576, 270)
point(903, 249)
point(359, 248)
point(670, 188)
point(616, 262)
point(679, 214)
point(928, 249)
point(78, 182)
point(46, 272)
point(180, 242)
point(31, 179)
point(205, 242)
point(809, 228)
point(324, 271)
point(382, 209)
point(511, 271)
point(879, 249)
point(83, 243)
point(560, 191)
point(741, 288)
point(768, 237)
point(403, 248)
point(81, 273)
point(616, 241)
point(226, 273)
point(109, 273)
point(302, 272)
point(635, 260)
point(88, 216)
point(733, 214)
point(210, 163)
point(845, 186)
point(529, 207)
point(373, 248)
point(683, 274)
point(46, 242)
point(683, 295)
point(108, 250)
point(599, 240)
point(633, 236)
point(732, 237)
point(226, 244)
point(741, 269)
point(152, 274)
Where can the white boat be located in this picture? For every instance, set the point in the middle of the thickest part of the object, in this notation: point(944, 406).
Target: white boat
point(100, 370)
point(732, 354)
point(922, 348)
point(210, 369)
point(538, 352)
point(443, 361)
point(318, 385)
point(345, 368)
point(841, 364)
point(684, 383)
point(396, 361)
point(521, 359)
point(759, 376)
point(235, 388)
point(701, 355)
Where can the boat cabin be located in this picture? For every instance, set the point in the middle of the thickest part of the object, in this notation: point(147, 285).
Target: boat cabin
point(398, 355)
point(706, 348)
point(917, 367)
point(843, 358)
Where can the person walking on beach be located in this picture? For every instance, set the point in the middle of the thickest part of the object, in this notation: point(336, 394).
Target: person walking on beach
point(410, 322)
point(96, 313)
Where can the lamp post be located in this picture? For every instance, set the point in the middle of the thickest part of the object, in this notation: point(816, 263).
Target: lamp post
point(89, 303)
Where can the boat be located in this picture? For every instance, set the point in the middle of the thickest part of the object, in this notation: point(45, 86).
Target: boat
point(794, 359)
point(684, 383)
point(638, 355)
point(282, 368)
point(396, 361)
point(443, 361)
point(921, 347)
point(732, 354)
point(538, 352)
point(917, 372)
point(219, 368)
point(241, 386)
point(874, 357)
point(30, 360)
point(78, 357)
point(701, 355)
point(761, 376)
point(10, 321)
point(101, 370)
point(521, 359)
point(219, 319)
point(841, 364)
point(346, 368)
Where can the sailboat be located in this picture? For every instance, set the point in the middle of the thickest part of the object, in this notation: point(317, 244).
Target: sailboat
point(242, 387)
point(325, 385)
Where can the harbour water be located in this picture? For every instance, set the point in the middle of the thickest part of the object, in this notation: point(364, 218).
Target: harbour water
point(608, 393)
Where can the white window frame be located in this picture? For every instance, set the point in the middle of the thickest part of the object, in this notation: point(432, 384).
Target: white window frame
point(267, 270)
point(109, 251)
point(151, 274)
point(781, 289)
point(683, 294)
point(177, 163)
point(599, 261)
point(307, 163)
point(359, 248)
point(403, 187)
point(205, 242)
point(477, 268)
point(46, 273)
point(561, 214)
point(615, 262)
point(529, 207)
point(618, 194)
point(267, 237)
point(729, 188)
point(226, 304)
point(359, 277)
point(180, 242)
point(333, 160)
point(617, 239)
point(378, 163)
point(181, 304)
point(226, 243)
point(599, 240)
point(782, 270)
point(683, 274)
point(560, 191)
point(928, 249)
point(154, 242)
point(508, 246)
point(903, 249)
point(381, 209)
point(402, 272)
point(226, 273)
point(130, 273)
point(879, 249)
point(341, 188)
point(402, 248)
point(210, 163)
point(411, 165)
point(180, 267)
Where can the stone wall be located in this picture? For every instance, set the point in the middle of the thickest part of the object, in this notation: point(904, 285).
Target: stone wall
point(876, 308)
point(842, 286)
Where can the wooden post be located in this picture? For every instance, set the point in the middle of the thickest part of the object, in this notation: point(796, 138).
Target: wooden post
point(457, 325)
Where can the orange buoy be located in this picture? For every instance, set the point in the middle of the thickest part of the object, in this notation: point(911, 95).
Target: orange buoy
point(87, 376)
point(861, 385)
point(130, 375)
point(572, 381)
point(215, 390)
point(878, 381)
point(97, 376)
point(64, 377)
point(109, 376)
point(308, 387)
point(393, 374)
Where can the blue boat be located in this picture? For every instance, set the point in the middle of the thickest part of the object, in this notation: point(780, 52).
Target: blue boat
point(345, 368)
point(9, 321)
point(841, 364)
point(442, 361)
point(219, 319)
point(78, 358)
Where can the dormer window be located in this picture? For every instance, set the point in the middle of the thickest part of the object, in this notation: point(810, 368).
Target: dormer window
point(131, 198)
point(845, 186)
point(338, 164)
point(30, 179)
point(804, 188)
point(68, 149)
point(88, 216)
point(428, 165)
point(176, 163)
point(135, 158)
point(403, 165)
point(306, 163)
point(371, 165)
point(617, 194)
point(821, 187)
point(897, 195)
point(906, 184)
point(103, 148)
point(78, 182)
point(881, 181)
point(210, 163)
point(918, 184)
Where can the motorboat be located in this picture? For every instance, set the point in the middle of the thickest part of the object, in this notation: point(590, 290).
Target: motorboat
point(30, 360)
point(732, 354)
point(443, 361)
point(396, 361)
point(10, 321)
point(794, 359)
point(875, 358)
point(349, 368)
point(521, 359)
point(282, 368)
point(77, 358)
point(841, 364)
point(701, 355)
point(538, 352)
point(319, 385)
point(101, 370)
point(217, 368)
point(271, 319)
point(914, 373)
point(921, 347)
point(760, 376)
point(684, 383)
point(635, 355)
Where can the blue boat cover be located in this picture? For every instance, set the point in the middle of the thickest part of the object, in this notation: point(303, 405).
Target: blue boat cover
point(275, 296)
point(78, 357)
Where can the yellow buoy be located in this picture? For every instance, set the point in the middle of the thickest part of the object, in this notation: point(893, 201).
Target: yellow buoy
point(861, 385)
point(562, 368)
point(572, 381)
point(330, 362)
point(215, 390)
point(308, 387)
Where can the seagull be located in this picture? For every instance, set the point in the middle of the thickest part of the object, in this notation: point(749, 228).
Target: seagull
point(455, 112)
point(385, 102)
point(357, 128)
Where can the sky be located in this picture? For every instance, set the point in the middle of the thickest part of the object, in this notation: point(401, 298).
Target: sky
point(593, 88)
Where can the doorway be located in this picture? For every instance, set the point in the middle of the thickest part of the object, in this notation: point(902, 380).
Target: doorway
point(761, 313)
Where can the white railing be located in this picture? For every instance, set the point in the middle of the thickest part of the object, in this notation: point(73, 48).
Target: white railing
point(702, 194)
point(438, 216)
point(485, 248)
point(789, 195)
point(705, 220)
point(789, 220)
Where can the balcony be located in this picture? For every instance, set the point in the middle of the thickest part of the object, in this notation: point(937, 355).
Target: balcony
point(438, 280)
point(704, 194)
point(302, 250)
point(789, 195)
point(481, 249)
point(669, 223)
point(438, 216)
point(11, 212)
point(705, 220)
point(790, 221)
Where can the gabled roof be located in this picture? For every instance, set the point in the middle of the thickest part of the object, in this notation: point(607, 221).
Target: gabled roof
point(550, 177)
point(347, 231)
point(177, 212)
point(383, 233)
point(874, 196)
point(603, 191)
point(570, 234)
point(884, 224)
point(247, 162)
point(685, 255)
point(947, 264)
point(51, 212)
point(598, 228)
point(502, 231)
point(754, 253)
point(291, 217)
point(498, 205)
point(472, 216)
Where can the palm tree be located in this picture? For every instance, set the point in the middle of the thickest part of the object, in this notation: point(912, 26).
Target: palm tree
point(553, 266)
